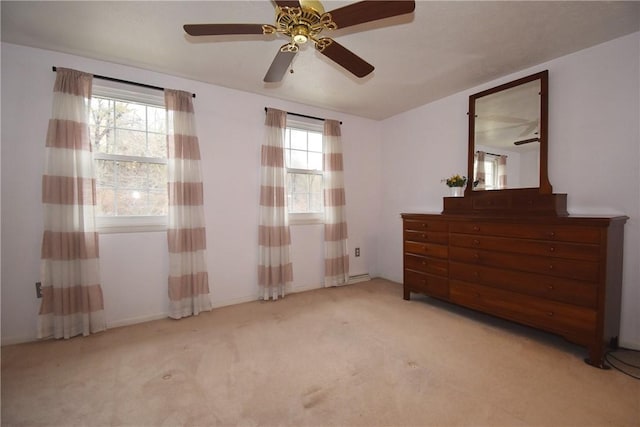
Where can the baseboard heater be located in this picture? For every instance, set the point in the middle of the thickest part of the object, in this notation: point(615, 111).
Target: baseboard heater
point(359, 278)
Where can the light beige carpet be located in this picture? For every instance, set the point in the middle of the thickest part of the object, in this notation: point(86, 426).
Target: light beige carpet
point(355, 355)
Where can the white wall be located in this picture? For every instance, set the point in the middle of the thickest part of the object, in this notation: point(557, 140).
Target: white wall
point(594, 153)
point(134, 266)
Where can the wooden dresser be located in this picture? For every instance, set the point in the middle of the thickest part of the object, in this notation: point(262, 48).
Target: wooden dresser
point(561, 274)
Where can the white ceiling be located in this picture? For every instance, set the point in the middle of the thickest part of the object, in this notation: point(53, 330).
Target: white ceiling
point(440, 49)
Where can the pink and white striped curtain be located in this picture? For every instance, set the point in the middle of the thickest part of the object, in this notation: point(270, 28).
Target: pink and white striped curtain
point(336, 253)
point(72, 301)
point(186, 234)
point(502, 172)
point(275, 271)
point(480, 173)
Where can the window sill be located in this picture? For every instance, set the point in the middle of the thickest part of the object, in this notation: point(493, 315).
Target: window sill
point(306, 219)
point(131, 224)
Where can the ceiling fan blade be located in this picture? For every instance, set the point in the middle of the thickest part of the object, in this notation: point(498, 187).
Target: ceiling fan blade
point(222, 29)
point(347, 59)
point(281, 3)
point(526, 141)
point(279, 66)
point(371, 10)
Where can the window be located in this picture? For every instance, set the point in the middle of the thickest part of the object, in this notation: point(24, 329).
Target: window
point(490, 171)
point(128, 132)
point(303, 160)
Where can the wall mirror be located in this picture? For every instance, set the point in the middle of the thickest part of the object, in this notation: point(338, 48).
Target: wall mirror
point(508, 141)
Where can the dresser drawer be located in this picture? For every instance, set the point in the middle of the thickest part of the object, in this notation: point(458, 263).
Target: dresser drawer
point(440, 237)
point(553, 232)
point(583, 251)
point(558, 267)
point(426, 265)
point(429, 249)
point(422, 225)
point(426, 283)
point(553, 316)
point(539, 285)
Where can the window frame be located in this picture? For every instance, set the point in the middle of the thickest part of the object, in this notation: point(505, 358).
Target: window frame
point(129, 223)
point(305, 218)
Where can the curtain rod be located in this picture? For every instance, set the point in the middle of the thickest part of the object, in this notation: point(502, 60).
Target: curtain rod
point(113, 79)
point(302, 115)
point(493, 154)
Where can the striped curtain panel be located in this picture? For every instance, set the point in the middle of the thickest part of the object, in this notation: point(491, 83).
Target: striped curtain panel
point(502, 171)
point(72, 301)
point(275, 271)
point(336, 253)
point(188, 275)
point(480, 173)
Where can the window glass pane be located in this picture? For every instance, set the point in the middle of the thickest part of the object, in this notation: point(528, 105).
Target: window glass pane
point(315, 161)
point(299, 183)
point(156, 119)
point(316, 183)
point(132, 175)
point(158, 202)
point(104, 170)
point(105, 201)
point(315, 142)
point(130, 115)
point(298, 139)
point(157, 176)
point(315, 202)
point(102, 139)
point(129, 203)
point(101, 112)
point(131, 143)
point(300, 202)
point(298, 159)
point(157, 145)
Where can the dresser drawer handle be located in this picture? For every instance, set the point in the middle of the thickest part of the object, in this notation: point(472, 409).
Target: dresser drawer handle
point(424, 262)
point(550, 266)
point(425, 225)
point(551, 233)
point(476, 256)
point(552, 249)
point(424, 235)
point(550, 287)
point(476, 228)
point(476, 242)
point(550, 313)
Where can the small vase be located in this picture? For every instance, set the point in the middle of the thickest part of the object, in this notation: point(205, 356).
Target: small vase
point(456, 191)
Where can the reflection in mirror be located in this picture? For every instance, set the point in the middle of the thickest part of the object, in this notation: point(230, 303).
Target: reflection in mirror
point(507, 138)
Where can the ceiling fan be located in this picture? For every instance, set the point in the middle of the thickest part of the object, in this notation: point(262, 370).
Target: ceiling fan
point(304, 20)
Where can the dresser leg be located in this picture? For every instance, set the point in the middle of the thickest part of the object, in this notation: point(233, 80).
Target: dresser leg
point(407, 293)
point(596, 357)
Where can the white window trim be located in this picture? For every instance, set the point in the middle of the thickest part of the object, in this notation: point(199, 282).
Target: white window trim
point(129, 224)
point(305, 218)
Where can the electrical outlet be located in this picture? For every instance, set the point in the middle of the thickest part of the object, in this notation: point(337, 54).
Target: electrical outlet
point(38, 290)
point(357, 252)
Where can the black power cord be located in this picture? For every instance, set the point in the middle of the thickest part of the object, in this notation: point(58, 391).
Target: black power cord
point(622, 366)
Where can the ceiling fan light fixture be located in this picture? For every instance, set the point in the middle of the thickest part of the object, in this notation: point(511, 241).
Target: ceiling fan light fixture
point(300, 34)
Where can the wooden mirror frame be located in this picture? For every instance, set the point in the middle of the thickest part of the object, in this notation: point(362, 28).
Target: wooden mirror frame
point(511, 201)
point(544, 186)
